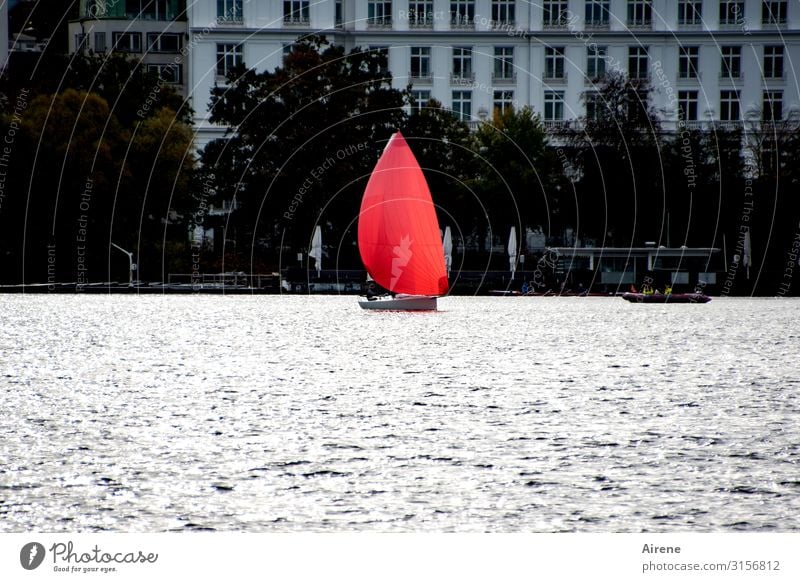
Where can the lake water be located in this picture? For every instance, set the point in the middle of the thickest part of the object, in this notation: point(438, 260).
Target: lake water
point(280, 414)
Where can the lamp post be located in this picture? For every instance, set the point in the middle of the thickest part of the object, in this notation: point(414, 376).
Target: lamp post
point(131, 264)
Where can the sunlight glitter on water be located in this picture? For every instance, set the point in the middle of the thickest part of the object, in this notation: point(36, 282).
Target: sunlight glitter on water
point(299, 413)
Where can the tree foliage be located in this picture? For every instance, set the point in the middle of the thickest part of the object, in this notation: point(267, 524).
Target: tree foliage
point(304, 139)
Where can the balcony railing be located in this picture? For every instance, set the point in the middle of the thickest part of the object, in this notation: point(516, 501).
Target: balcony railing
point(556, 125)
point(731, 75)
point(728, 125)
point(554, 24)
point(229, 20)
point(597, 24)
point(773, 22)
point(419, 77)
point(685, 76)
point(461, 21)
point(421, 21)
point(296, 21)
point(693, 124)
point(467, 78)
point(594, 79)
point(504, 78)
point(503, 24)
point(641, 23)
point(379, 22)
point(555, 76)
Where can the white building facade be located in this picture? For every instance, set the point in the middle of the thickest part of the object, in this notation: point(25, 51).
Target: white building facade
point(723, 60)
point(153, 32)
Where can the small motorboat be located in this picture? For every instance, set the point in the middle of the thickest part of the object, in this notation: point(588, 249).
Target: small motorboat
point(666, 297)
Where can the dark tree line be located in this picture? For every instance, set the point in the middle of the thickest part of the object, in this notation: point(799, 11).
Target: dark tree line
point(303, 140)
point(93, 155)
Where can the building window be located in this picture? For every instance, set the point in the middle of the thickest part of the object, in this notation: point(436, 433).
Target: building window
point(554, 13)
point(382, 52)
point(687, 105)
point(731, 62)
point(462, 13)
point(773, 12)
point(773, 62)
point(594, 106)
point(95, 8)
point(229, 11)
point(773, 106)
point(462, 63)
point(503, 101)
point(597, 13)
point(420, 14)
point(637, 62)
point(229, 56)
point(419, 100)
point(81, 43)
point(379, 13)
point(148, 9)
point(640, 12)
point(690, 12)
point(504, 62)
point(688, 57)
point(99, 42)
point(420, 62)
point(296, 12)
point(128, 42)
point(338, 16)
point(553, 105)
point(503, 12)
point(596, 61)
point(729, 106)
point(731, 12)
point(168, 73)
point(163, 43)
point(462, 105)
point(554, 62)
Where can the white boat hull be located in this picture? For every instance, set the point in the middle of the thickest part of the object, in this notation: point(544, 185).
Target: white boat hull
point(400, 303)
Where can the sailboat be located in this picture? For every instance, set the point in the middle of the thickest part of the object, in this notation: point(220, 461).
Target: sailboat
point(398, 233)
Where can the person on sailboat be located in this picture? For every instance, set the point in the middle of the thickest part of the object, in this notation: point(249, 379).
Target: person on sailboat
point(372, 291)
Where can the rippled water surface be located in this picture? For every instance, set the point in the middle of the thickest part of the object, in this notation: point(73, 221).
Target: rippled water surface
point(284, 414)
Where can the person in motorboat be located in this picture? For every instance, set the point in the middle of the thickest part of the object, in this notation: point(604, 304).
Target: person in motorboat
point(668, 289)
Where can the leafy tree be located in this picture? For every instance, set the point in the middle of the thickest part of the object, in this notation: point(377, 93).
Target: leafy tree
point(770, 202)
point(132, 92)
point(79, 180)
point(621, 203)
point(443, 146)
point(305, 139)
point(520, 178)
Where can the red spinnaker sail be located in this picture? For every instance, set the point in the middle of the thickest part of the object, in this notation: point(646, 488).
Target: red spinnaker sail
point(398, 233)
